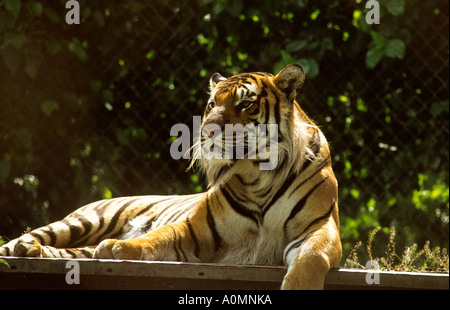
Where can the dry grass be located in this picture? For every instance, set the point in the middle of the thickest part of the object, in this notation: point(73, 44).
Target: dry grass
point(426, 259)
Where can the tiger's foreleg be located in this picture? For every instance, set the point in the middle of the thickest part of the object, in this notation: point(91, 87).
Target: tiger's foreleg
point(173, 242)
point(310, 257)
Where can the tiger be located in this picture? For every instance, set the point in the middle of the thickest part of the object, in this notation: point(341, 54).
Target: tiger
point(287, 214)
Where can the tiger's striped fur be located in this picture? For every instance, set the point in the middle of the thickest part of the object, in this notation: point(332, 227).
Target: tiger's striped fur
point(248, 216)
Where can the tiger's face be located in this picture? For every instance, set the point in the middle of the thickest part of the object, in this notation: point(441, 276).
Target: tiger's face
point(248, 120)
point(236, 100)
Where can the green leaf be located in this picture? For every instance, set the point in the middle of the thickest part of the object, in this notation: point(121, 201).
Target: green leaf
point(32, 66)
point(13, 6)
point(373, 57)
point(395, 7)
point(37, 8)
point(10, 58)
point(78, 49)
point(49, 106)
point(436, 109)
point(296, 46)
point(315, 14)
point(2, 261)
point(378, 40)
point(395, 49)
point(107, 194)
point(310, 66)
point(355, 193)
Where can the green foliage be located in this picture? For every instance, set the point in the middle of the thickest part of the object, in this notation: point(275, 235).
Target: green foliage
point(86, 109)
point(2, 261)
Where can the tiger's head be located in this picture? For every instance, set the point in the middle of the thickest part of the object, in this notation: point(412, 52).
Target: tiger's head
point(252, 124)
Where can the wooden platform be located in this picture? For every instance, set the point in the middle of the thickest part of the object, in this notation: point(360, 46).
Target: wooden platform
point(36, 273)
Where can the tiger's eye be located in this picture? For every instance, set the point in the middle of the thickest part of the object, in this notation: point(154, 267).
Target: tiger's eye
point(246, 104)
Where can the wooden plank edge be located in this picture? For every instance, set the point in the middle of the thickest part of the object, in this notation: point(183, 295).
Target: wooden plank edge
point(337, 278)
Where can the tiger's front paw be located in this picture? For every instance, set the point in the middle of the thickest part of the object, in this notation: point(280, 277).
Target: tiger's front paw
point(118, 249)
point(104, 249)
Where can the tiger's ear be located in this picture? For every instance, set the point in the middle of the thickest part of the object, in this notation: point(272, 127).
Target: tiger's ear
point(289, 80)
point(215, 79)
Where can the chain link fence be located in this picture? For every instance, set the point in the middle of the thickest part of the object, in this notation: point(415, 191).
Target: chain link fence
point(101, 122)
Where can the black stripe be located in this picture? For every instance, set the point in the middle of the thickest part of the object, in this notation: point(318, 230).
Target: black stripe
point(71, 253)
point(320, 167)
point(277, 110)
point(256, 111)
point(288, 182)
point(317, 220)
point(235, 196)
point(222, 171)
point(49, 233)
point(267, 112)
point(249, 76)
point(55, 252)
point(87, 227)
point(194, 238)
point(144, 210)
point(315, 143)
point(246, 88)
point(175, 208)
point(238, 207)
point(175, 215)
point(74, 232)
point(100, 211)
point(167, 208)
point(255, 182)
point(300, 204)
point(177, 245)
point(39, 237)
point(86, 253)
point(212, 226)
point(263, 74)
point(262, 192)
point(263, 93)
point(113, 223)
point(297, 244)
point(323, 217)
point(294, 245)
point(174, 238)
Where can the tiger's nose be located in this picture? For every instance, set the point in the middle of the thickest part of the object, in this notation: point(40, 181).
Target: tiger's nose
point(211, 130)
